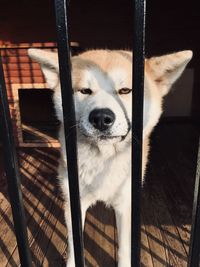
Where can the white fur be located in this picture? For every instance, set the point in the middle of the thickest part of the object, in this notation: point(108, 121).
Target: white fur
point(104, 165)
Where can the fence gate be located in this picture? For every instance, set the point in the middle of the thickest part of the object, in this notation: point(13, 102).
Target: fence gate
point(11, 166)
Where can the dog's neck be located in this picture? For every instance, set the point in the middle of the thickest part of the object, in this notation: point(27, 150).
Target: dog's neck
point(96, 161)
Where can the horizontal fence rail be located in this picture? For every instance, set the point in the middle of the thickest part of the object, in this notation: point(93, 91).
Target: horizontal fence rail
point(137, 127)
point(70, 130)
point(12, 175)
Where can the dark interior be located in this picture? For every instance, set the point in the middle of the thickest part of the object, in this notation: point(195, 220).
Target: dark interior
point(37, 111)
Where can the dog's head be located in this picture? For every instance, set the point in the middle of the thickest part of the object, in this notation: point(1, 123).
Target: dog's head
point(102, 83)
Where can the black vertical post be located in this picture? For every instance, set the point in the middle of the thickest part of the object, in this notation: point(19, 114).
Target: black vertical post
point(194, 253)
point(137, 128)
point(12, 175)
point(70, 130)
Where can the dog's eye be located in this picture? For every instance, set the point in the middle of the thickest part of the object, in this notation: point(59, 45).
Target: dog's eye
point(124, 91)
point(86, 91)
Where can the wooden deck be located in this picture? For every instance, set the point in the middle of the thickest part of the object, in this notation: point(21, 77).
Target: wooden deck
point(166, 207)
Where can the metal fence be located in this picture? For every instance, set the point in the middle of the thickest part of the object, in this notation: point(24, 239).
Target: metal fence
point(11, 166)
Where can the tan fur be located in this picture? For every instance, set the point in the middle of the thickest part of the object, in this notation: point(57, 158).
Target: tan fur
point(105, 166)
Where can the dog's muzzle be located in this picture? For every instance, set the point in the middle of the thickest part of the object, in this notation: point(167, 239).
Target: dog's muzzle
point(102, 119)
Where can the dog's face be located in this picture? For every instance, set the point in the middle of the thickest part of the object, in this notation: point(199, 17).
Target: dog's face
point(102, 83)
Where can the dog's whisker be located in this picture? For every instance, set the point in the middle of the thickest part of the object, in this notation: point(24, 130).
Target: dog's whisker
point(73, 126)
point(71, 129)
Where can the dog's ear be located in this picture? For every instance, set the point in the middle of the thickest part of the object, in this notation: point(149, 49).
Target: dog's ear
point(165, 70)
point(49, 65)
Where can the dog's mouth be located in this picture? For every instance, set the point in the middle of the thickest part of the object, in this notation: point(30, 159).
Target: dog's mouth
point(102, 137)
point(108, 137)
point(105, 138)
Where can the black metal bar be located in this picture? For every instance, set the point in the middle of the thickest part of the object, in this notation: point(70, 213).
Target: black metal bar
point(12, 174)
point(70, 130)
point(137, 128)
point(194, 253)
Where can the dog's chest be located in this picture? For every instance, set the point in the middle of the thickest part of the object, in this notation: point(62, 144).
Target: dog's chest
point(103, 174)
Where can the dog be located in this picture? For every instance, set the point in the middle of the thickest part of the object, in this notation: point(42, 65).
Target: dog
point(102, 84)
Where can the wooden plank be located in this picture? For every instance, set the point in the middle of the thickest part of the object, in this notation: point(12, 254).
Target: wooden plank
point(25, 80)
point(52, 258)
point(28, 45)
point(146, 258)
point(10, 238)
point(161, 230)
point(18, 52)
point(38, 203)
point(22, 66)
point(15, 59)
point(15, 52)
point(171, 238)
point(153, 232)
point(33, 195)
point(43, 237)
point(164, 238)
point(100, 237)
point(178, 174)
point(23, 73)
point(180, 213)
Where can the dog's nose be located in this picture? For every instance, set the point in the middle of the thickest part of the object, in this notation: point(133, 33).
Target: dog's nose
point(102, 119)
